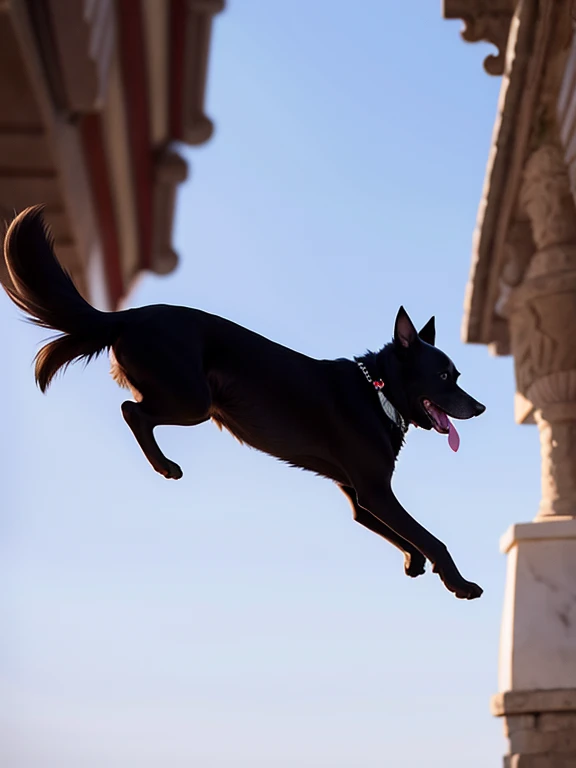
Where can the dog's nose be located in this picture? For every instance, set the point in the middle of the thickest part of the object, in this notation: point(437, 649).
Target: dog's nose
point(480, 409)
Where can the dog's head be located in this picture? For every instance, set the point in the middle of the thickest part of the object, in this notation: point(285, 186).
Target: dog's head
point(429, 378)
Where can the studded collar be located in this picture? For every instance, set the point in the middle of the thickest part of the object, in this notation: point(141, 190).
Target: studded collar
point(391, 412)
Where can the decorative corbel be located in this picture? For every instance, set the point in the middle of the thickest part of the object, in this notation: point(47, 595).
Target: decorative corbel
point(487, 21)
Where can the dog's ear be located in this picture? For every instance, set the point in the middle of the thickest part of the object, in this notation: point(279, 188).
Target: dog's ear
point(405, 333)
point(428, 332)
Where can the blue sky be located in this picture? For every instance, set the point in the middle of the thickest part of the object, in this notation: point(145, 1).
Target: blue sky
point(239, 617)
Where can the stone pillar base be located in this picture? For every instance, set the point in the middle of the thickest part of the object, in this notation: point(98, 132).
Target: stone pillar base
point(538, 646)
point(541, 727)
point(538, 635)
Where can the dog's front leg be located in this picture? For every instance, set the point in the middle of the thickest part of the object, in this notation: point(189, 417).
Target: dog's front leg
point(414, 560)
point(383, 504)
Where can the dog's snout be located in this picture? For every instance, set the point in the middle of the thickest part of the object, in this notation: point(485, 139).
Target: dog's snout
point(480, 409)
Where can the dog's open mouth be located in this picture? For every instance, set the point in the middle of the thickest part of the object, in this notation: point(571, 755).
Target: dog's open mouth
point(439, 419)
point(442, 423)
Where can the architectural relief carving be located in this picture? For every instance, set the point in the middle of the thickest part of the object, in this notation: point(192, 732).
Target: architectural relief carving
point(538, 325)
point(546, 197)
point(486, 20)
point(539, 340)
point(551, 263)
point(517, 252)
point(534, 344)
point(543, 305)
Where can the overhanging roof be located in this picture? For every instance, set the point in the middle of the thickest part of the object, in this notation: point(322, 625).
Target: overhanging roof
point(95, 93)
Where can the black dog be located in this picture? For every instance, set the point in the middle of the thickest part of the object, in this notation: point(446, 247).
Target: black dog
point(343, 419)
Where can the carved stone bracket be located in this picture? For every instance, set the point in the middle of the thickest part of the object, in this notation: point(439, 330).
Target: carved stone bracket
point(484, 20)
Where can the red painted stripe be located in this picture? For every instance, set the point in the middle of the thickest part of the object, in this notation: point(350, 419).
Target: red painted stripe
point(97, 165)
point(132, 50)
point(177, 47)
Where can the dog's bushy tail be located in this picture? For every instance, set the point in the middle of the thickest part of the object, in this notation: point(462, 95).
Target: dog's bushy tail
point(45, 292)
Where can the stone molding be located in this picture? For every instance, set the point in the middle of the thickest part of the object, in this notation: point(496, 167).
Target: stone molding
point(540, 727)
point(541, 531)
point(533, 702)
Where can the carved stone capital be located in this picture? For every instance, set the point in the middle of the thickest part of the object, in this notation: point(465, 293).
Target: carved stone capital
point(538, 322)
point(486, 20)
point(551, 265)
point(555, 395)
point(546, 199)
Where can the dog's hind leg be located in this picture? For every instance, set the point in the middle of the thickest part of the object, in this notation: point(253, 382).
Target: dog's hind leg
point(414, 560)
point(174, 393)
point(164, 408)
point(142, 425)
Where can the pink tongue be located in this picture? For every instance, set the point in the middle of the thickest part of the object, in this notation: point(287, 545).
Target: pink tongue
point(453, 437)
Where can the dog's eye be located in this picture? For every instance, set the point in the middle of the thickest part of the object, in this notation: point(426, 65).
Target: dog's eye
point(444, 376)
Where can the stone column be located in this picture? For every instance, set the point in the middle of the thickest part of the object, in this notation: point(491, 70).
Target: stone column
point(537, 676)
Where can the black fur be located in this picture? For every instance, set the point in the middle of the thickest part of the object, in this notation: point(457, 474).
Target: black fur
point(185, 366)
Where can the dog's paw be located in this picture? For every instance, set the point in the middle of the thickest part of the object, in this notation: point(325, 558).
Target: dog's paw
point(414, 564)
point(471, 592)
point(462, 589)
point(171, 471)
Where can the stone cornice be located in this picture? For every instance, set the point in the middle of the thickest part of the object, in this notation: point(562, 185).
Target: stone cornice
point(503, 175)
